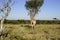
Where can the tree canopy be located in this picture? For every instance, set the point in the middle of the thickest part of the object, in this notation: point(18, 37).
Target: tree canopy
point(34, 4)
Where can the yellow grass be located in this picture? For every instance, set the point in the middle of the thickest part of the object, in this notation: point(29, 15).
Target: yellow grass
point(25, 32)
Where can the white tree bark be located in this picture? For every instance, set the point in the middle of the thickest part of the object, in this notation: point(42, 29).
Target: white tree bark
point(4, 17)
point(6, 10)
point(2, 21)
point(1, 29)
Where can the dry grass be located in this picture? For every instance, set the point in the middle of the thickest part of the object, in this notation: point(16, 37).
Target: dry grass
point(25, 32)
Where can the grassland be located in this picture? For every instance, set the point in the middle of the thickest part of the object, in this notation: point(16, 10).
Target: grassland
point(25, 32)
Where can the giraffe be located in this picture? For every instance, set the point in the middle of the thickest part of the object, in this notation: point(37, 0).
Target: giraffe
point(33, 21)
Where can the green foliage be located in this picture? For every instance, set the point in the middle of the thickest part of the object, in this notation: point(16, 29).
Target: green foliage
point(28, 22)
point(33, 4)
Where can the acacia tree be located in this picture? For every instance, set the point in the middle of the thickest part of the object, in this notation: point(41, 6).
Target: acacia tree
point(5, 9)
point(55, 18)
point(33, 7)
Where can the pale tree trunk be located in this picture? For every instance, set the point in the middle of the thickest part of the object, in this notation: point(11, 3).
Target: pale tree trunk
point(2, 24)
point(32, 20)
point(1, 29)
point(4, 17)
point(2, 21)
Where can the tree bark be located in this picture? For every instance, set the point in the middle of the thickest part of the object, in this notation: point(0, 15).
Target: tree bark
point(1, 29)
point(2, 21)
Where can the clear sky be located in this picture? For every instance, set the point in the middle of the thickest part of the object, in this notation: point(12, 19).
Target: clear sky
point(49, 10)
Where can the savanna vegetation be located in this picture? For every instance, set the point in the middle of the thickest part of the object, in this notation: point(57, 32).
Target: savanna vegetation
point(28, 22)
point(22, 29)
point(25, 32)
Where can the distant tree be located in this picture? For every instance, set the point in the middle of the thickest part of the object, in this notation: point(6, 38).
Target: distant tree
point(55, 18)
point(33, 7)
point(5, 9)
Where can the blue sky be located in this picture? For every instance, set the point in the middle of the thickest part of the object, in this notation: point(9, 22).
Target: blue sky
point(49, 10)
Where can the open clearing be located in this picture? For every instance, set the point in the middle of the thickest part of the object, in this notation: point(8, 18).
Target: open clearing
point(25, 32)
